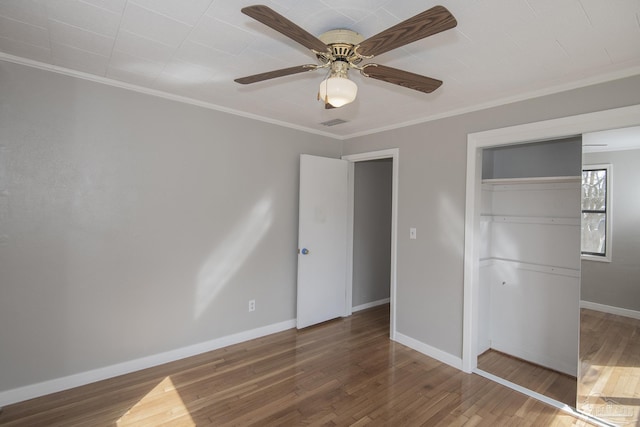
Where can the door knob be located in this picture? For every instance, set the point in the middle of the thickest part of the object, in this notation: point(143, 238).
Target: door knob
point(304, 251)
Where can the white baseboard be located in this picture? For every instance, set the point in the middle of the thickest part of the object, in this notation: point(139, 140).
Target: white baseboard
point(484, 347)
point(46, 387)
point(370, 304)
point(610, 309)
point(426, 349)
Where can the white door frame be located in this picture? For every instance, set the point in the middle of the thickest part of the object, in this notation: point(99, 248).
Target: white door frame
point(476, 142)
point(393, 154)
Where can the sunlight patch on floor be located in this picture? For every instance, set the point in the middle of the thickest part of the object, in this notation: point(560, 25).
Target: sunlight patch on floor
point(231, 254)
point(160, 405)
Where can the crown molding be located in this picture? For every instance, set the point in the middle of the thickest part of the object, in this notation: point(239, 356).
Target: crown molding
point(630, 71)
point(157, 93)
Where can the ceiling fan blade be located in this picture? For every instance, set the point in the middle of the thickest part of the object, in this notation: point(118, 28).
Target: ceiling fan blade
point(273, 19)
point(273, 74)
point(402, 78)
point(427, 23)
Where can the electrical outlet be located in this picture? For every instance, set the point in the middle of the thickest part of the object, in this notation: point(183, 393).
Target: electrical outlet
point(252, 305)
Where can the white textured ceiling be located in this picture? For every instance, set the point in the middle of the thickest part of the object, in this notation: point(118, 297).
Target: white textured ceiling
point(501, 50)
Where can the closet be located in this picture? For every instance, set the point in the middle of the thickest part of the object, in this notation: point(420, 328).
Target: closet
point(530, 255)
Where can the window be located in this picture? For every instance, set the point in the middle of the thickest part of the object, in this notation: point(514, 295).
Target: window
point(596, 212)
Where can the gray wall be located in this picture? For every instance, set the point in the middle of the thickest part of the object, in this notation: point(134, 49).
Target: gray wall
point(432, 173)
point(539, 159)
point(132, 225)
point(618, 283)
point(372, 231)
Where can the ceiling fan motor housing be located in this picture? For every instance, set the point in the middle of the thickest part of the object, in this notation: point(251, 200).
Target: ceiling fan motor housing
point(342, 45)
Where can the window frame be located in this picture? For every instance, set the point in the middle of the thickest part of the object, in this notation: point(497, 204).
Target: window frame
point(608, 214)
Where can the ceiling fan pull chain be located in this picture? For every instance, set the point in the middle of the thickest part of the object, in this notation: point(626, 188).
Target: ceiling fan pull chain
point(326, 92)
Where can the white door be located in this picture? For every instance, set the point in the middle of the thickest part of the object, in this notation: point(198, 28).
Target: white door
point(322, 240)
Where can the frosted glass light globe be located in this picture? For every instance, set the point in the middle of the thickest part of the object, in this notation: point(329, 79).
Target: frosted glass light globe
point(338, 91)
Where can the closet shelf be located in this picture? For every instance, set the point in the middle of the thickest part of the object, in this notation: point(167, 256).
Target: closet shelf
point(533, 180)
point(538, 268)
point(575, 221)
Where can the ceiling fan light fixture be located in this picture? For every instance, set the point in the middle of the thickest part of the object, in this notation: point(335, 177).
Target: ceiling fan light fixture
point(338, 91)
point(341, 49)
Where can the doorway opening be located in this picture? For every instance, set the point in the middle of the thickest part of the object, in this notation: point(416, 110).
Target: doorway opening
point(354, 245)
point(372, 234)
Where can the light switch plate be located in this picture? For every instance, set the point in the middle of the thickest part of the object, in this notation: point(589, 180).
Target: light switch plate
point(413, 234)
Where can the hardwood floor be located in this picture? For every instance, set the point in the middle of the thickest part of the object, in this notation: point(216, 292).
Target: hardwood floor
point(344, 372)
point(609, 375)
point(553, 384)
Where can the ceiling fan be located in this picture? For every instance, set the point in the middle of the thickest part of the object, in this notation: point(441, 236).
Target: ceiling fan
point(341, 50)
